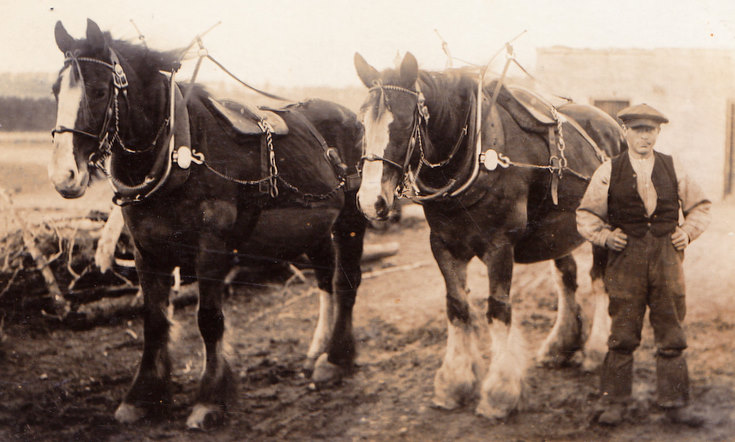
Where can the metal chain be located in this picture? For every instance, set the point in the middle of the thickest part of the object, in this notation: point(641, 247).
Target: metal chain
point(560, 141)
point(274, 176)
point(291, 187)
point(273, 167)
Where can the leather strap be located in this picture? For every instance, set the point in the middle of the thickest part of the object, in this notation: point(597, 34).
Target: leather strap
point(553, 150)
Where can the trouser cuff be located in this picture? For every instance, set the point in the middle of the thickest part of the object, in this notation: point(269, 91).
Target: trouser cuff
point(616, 380)
point(672, 381)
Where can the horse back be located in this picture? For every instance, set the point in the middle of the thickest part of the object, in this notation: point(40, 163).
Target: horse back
point(600, 126)
point(339, 126)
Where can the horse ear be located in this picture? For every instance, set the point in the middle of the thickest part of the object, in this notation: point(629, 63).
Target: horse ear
point(63, 40)
point(409, 70)
point(94, 35)
point(367, 73)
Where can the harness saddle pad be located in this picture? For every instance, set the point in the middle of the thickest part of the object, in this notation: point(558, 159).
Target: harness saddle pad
point(529, 110)
point(244, 118)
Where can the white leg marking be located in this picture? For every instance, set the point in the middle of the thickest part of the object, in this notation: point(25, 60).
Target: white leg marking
point(502, 388)
point(566, 331)
point(324, 326)
point(457, 379)
point(127, 413)
point(377, 137)
point(204, 416)
point(596, 346)
point(105, 254)
point(63, 165)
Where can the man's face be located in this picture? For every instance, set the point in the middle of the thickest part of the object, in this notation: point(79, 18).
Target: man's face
point(641, 139)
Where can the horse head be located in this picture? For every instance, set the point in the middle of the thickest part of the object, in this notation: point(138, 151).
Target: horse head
point(391, 115)
point(102, 99)
point(79, 91)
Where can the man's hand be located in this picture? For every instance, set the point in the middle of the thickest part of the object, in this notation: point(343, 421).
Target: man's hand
point(680, 239)
point(617, 240)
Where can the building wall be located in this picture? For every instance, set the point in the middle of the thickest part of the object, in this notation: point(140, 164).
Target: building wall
point(692, 87)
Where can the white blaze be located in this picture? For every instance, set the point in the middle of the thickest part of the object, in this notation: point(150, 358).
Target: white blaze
point(63, 165)
point(377, 137)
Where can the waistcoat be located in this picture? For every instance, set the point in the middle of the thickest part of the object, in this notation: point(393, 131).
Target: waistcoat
point(625, 206)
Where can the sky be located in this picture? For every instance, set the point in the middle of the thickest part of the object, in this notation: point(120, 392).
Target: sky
point(312, 42)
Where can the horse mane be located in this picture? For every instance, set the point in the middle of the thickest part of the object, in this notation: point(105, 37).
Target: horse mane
point(146, 61)
point(446, 87)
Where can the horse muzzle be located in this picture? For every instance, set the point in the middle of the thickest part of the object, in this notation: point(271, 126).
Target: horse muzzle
point(69, 183)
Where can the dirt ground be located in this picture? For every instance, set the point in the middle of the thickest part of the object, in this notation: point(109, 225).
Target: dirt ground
point(65, 385)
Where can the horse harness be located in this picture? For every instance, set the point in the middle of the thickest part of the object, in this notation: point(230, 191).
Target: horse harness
point(181, 153)
point(118, 85)
point(490, 159)
point(409, 187)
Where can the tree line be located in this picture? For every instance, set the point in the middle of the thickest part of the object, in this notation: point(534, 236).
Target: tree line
point(27, 114)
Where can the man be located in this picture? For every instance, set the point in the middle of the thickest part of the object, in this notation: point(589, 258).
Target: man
point(632, 207)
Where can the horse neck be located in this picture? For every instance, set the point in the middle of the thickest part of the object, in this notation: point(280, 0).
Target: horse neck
point(142, 115)
point(448, 109)
point(447, 116)
point(143, 112)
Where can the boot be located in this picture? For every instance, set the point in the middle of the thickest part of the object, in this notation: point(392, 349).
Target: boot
point(613, 414)
point(685, 416)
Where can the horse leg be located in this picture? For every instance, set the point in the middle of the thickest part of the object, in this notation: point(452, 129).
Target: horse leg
point(104, 256)
point(565, 337)
point(349, 232)
point(323, 258)
point(150, 387)
point(217, 384)
point(596, 346)
point(502, 387)
point(457, 378)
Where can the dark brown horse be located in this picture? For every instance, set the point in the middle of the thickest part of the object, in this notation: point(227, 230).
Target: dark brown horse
point(194, 189)
point(486, 190)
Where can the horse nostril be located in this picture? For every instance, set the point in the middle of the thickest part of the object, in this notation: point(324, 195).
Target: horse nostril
point(381, 208)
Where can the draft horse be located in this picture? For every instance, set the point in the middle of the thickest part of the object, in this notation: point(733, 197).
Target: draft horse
point(195, 192)
point(421, 139)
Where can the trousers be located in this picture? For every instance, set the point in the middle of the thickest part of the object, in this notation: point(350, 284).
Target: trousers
point(646, 274)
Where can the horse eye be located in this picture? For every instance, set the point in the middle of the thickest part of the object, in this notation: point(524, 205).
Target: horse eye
point(99, 93)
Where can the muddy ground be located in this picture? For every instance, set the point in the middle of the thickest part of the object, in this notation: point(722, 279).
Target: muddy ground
point(58, 384)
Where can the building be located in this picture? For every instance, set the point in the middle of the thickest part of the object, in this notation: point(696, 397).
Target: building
point(694, 88)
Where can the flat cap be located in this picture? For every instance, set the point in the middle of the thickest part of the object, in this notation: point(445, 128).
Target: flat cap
point(641, 115)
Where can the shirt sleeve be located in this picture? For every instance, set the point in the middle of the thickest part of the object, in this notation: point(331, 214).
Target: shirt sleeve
point(694, 203)
point(592, 211)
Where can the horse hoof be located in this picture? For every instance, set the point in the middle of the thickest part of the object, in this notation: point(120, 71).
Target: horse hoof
point(325, 372)
point(205, 417)
point(308, 369)
point(127, 413)
point(490, 412)
point(556, 360)
point(444, 403)
point(592, 361)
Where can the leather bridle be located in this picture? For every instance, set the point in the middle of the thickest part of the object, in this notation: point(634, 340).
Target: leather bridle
point(409, 178)
point(421, 115)
point(108, 134)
